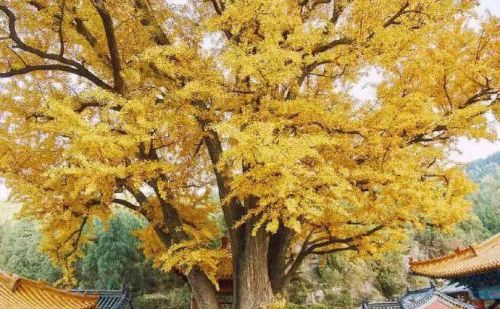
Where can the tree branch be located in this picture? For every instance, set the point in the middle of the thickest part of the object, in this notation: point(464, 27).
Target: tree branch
point(217, 6)
point(425, 138)
point(33, 68)
point(339, 131)
point(126, 204)
point(295, 263)
point(332, 44)
point(107, 22)
point(61, 24)
point(84, 31)
point(333, 240)
point(393, 19)
point(159, 36)
point(479, 96)
point(37, 5)
point(72, 66)
point(78, 234)
point(321, 252)
point(338, 8)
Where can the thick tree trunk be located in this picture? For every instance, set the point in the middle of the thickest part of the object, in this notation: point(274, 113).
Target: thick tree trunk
point(202, 289)
point(277, 257)
point(252, 284)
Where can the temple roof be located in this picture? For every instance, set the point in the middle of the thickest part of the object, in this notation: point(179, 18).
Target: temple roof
point(431, 298)
point(20, 293)
point(427, 298)
point(382, 305)
point(454, 288)
point(477, 259)
point(110, 299)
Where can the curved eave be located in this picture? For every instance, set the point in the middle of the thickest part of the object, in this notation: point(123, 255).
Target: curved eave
point(473, 260)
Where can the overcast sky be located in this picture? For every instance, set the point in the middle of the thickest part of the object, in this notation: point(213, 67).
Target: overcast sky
point(473, 150)
point(467, 150)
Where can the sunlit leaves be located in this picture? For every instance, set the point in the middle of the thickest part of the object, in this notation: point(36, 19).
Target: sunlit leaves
point(275, 94)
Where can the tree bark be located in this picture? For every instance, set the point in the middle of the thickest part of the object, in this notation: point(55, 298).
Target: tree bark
point(202, 289)
point(251, 283)
point(277, 258)
point(253, 287)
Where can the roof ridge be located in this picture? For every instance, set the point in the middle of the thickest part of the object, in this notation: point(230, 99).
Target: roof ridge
point(454, 301)
point(455, 253)
point(38, 284)
point(475, 250)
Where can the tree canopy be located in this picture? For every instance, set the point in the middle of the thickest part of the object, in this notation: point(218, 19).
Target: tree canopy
point(19, 253)
point(155, 106)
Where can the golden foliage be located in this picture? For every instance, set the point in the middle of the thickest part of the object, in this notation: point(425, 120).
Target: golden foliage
point(126, 121)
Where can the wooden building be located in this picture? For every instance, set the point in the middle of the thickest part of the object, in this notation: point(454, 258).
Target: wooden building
point(476, 267)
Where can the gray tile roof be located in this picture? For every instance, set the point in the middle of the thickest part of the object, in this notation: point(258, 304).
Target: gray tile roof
point(419, 299)
point(383, 305)
point(110, 299)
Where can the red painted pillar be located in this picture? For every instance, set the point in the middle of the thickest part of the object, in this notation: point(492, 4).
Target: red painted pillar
point(480, 304)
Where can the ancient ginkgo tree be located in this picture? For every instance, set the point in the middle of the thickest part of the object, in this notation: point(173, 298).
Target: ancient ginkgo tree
point(159, 107)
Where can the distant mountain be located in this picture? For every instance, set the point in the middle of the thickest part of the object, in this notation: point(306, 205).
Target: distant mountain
point(478, 169)
point(486, 200)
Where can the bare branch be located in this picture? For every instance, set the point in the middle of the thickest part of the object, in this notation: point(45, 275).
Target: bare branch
point(318, 2)
point(295, 263)
point(83, 106)
point(481, 95)
point(309, 68)
point(139, 196)
point(445, 88)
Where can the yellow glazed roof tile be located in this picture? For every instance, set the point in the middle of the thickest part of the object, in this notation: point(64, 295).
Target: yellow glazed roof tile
point(20, 293)
point(477, 259)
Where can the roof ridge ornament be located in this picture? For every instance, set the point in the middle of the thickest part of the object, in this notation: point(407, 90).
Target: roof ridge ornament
point(16, 282)
point(473, 250)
